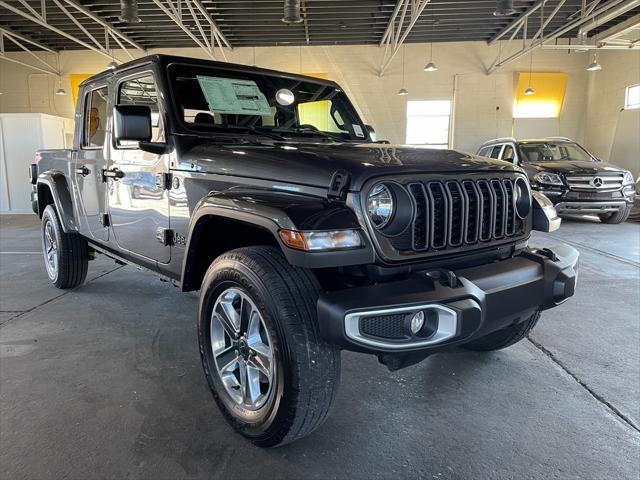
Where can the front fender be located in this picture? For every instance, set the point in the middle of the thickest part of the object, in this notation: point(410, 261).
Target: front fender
point(273, 211)
point(58, 187)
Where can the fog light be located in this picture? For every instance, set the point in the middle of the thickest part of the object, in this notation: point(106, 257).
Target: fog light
point(417, 322)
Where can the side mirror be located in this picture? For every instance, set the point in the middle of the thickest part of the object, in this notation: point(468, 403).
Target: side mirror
point(372, 133)
point(545, 217)
point(132, 123)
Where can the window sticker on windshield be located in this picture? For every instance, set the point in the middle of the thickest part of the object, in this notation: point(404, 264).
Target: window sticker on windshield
point(357, 129)
point(238, 97)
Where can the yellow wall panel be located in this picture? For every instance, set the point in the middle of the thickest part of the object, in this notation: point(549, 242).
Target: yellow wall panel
point(548, 98)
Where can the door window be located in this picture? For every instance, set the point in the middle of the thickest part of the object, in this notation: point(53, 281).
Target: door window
point(495, 152)
point(142, 91)
point(95, 118)
point(508, 155)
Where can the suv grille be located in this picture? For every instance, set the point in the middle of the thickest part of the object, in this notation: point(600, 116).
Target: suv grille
point(589, 183)
point(455, 213)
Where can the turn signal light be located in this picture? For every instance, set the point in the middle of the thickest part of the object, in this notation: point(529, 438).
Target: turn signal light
point(321, 240)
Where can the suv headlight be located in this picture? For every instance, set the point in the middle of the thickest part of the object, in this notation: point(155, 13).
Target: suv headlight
point(547, 178)
point(380, 205)
point(627, 179)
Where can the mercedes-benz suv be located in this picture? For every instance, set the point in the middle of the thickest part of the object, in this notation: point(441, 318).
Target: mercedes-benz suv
point(576, 181)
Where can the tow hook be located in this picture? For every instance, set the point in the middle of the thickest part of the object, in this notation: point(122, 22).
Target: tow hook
point(446, 277)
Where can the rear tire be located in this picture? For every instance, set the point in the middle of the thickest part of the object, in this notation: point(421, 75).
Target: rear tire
point(620, 216)
point(66, 255)
point(504, 338)
point(294, 395)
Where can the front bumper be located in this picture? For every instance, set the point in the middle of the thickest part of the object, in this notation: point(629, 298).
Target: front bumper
point(567, 208)
point(458, 306)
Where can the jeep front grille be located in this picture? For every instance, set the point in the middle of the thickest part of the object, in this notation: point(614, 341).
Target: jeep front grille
point(595, 183)
point(452, 214)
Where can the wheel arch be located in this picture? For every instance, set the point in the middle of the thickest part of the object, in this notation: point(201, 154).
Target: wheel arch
point(53, 189)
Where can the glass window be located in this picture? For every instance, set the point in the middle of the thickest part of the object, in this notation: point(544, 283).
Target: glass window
point(428, 123)
point(495, 152)
point(142, 91)
point(95, 118)
point(508, 154)
point(554, 152)
point(483, 151)
point(215, 101)
point(632, 99)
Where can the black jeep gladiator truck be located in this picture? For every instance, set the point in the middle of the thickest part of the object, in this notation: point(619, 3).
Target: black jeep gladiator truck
point(303, 235)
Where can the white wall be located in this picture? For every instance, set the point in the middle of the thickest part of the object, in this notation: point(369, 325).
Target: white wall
point(605, 118)
point(483, 103)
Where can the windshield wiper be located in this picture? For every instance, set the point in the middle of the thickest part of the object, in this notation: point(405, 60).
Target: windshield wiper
point(247, 128)
point(313, 131)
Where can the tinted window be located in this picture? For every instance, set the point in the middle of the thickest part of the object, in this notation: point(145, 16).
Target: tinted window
point(484, 151)
point(95, 118)
point(495, 152)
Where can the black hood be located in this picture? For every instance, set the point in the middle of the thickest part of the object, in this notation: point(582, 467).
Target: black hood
point(574, 167)
point(315, 163)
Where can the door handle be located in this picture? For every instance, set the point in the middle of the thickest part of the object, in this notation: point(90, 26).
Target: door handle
point(114, 173)
point(84, 171)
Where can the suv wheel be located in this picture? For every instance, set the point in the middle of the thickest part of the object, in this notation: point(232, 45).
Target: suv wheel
point(504, 338)
point(618, 217)
point(270, 373)
point(66, 255)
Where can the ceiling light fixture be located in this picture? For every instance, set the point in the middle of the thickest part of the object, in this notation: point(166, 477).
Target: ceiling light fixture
point(504, 8)
point(61, 92)
point(594, 66)
point(403, 91)
point(529, 90)
point(430, 67)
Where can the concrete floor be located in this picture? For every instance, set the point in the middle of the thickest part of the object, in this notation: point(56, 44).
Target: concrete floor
point(105, 382)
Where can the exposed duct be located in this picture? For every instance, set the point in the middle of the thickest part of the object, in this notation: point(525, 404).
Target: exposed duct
point(504, 8)
point(292, 11)
point(129, 11)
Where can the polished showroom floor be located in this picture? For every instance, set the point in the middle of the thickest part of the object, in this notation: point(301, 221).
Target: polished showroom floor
point(105, 382)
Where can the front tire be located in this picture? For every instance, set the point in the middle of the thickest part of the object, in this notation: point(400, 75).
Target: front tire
point(504, 338)
point(620, 216)
point(66, 255)
point(270, 373)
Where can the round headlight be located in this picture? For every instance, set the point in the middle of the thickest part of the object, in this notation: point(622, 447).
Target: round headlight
point(522, 198)
point(380, 205)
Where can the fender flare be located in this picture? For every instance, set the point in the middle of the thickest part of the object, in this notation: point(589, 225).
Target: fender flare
point(56, 182)
point(274, 211)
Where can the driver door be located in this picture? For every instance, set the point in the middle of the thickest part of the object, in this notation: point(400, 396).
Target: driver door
point(138, 199)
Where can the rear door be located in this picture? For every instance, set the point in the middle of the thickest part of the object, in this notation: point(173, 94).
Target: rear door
point(90, 158)
point(139, 202)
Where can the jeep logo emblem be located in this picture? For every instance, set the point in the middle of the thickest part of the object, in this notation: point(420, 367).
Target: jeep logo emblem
point(596, 182)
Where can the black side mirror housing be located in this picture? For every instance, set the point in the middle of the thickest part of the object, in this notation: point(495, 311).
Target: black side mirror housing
point(132, 123)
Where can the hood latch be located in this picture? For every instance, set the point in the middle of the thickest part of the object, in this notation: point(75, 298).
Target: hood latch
point(339, 186)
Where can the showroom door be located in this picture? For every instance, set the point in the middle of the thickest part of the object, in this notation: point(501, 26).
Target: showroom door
point(138, 199)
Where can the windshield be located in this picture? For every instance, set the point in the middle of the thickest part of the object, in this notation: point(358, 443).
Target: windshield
point(213, 100)
point(554, 152)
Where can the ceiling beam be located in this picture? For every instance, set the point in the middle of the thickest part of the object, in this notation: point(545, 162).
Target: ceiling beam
point(604, 10)
point(397, 32)
point(10, 33)
point(42, 23)
point(517, 22)
point(112, 30)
